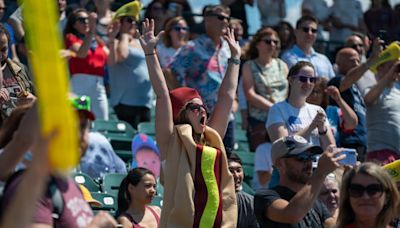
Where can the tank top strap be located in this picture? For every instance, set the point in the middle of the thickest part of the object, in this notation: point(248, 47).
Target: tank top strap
point(154, 213)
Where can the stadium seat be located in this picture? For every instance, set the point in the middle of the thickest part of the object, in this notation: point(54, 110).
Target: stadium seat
point(246, 188)
point(157, 201)
point(109, 201)
point(147, 128)
point(87, 181)
point(111, 183)
point(246, 157)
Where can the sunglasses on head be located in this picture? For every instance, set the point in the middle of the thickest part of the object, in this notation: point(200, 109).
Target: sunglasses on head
point(304, 79)
point(180, 28)
point(308, 29)
point(372, 190)
point(305, 156)
point(269, 42)
point(83, 20)
point(219, 16)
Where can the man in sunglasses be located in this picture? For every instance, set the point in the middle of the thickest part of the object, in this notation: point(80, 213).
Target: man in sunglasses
point(202, 63)
point(306, 35)
point(294, 202)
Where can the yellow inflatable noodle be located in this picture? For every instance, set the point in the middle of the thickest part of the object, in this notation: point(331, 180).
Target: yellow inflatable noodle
point(50, 72)
point(393, 170)
point(392, 52)
point(129, 9)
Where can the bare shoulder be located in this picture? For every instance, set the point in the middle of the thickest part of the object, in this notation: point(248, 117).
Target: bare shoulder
point(157, 209)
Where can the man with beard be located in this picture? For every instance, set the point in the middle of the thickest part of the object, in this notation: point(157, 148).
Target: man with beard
point(294, 203)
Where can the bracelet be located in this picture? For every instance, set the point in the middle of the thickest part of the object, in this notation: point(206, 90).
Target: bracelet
point(148, 54)
point(234, 61)
point(324, 132)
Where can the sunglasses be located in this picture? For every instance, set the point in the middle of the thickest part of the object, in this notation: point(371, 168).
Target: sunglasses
point(269, 42)
point(308, 29)
point(195, 107)
point(180, 28)
point(305, 156)
point(83, 20)
point(372, 190)
point(305, 79)
point(130, 20)
point(219, 16)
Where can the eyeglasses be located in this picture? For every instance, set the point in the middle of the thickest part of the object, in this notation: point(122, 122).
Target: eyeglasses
point(305, 156)
point(195, 107)
point(219, 16)
point(305, 79)
point(308, 29)
point(180, 28)
point(83, 20)
point(372, 190)
point(269, 42)
point(355, 46)
point(130, 20)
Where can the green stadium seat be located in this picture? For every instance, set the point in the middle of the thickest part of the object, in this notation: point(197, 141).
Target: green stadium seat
point(246, 157)
point(87, 181)
point(125, 155)
point(147, 128)
point(112, 126)
point(246, 188)
point(109, 201)
point(111, 183)
point(157, 201)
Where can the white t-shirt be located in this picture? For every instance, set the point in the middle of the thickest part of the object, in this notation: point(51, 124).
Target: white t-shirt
point(295, 119)
point(262, 162)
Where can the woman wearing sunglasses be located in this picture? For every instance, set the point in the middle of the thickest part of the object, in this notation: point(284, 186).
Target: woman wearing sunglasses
point(368, 198)
point(264, 82)
point(191, 145)
point(294, 116)
point(176, 35)
point(130, 87)
point(88, 60)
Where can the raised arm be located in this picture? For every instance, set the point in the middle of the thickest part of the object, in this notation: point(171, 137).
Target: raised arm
point(350, 119)
point(82, 50)
point(227, 92)
point(164, 122)
point(357, 72)
point(293, 211)
point(113, 31)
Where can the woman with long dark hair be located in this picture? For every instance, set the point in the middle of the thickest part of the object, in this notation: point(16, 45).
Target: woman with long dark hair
point(135, 194)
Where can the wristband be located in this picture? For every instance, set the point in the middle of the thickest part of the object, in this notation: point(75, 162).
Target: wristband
point(234, 61)
point(152, 53)
point(324, 132)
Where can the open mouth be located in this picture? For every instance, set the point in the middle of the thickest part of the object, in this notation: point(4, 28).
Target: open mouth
point(203, 120)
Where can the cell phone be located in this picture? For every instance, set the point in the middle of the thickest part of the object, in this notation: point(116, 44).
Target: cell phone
point(351, 157)
point(383, 35)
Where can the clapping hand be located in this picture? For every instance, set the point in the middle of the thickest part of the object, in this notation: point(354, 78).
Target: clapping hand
point(147, 39)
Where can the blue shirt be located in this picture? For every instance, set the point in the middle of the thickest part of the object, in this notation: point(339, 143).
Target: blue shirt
point(323, 67)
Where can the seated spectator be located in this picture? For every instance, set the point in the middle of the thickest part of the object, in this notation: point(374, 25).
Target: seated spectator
point(190, 142)
point(246, 217)
point(320, 10)
point(264, 82)
point(329, 194)
point(341, 118)
point(286, 35)
point(136, 191)
point(306, 35)
point(146, 154)
point(16, 84)
point(368, 197)
point(294, 116)
point(262, 166)
point(100, 158)
point(294, 202)
point(356, 42)
point(157, 11)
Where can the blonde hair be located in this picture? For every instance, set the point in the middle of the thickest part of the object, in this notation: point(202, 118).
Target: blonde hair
point(390, 209)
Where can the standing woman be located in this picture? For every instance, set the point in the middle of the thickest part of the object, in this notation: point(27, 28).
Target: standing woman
point(294, 116)
point(264, 82)
point(198, 187)
point(368, 198)
point(136, 192)
point(87, 63)
point(130, 88)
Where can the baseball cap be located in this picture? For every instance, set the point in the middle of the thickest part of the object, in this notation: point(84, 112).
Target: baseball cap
point(292, 145)
point(82, 104)
point(143, 141)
